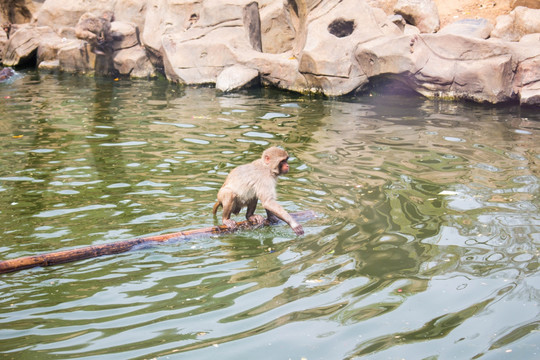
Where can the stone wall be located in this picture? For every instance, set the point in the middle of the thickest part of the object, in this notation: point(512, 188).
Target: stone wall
point(333, 47)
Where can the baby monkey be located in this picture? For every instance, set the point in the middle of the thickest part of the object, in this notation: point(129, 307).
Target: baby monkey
point(248, 183)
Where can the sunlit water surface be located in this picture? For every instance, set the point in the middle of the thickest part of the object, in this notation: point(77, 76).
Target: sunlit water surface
point(426, 245)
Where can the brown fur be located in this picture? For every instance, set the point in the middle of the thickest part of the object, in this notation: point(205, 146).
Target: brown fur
point(249, 183)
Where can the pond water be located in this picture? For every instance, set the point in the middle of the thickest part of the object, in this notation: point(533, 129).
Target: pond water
point(426, 245)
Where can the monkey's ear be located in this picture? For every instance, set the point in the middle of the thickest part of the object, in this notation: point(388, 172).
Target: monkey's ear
point(267, 159)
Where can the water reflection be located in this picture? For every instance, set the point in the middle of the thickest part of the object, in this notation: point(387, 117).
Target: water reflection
point(426, 246)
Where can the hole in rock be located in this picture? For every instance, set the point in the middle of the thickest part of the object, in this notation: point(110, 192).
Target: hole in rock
point(341, 27)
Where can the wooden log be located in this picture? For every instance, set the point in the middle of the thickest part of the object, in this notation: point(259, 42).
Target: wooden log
point(60, 257)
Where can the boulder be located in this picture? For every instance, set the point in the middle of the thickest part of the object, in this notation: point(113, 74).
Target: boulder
point(236, 77)
point(124, 35)
point(215, 39)
point(327, 61)
point(533, 4)
point(530, 94)
point(170, 18)
point(199, 60)
point(519, 22)
point(280, 24)
point(532, 39)
point(48, 47)
point(526, 81)
point(16, 12)
point(385, 56)
point(476, 28)
point(330, 46)
point(279, 70)
point(130, 11)
point(76, 57)
point(386, 5)
point(3, 43)
point(421, 13)
point(59, 14)
point(23, 44)
point(458, 67)
point(49, 65)
point(134, 62)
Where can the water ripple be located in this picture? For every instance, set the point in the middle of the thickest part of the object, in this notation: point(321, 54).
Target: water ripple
point(426, 244)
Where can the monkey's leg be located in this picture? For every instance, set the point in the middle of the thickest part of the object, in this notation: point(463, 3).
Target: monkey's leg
point(227, 199)
point(250, 214)
point(271, 217)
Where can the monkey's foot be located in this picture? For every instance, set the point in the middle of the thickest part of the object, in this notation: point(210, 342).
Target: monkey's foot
point(256, 219)
point(230, 223)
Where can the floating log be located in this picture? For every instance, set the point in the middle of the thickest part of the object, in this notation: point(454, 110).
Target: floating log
point(60, 257)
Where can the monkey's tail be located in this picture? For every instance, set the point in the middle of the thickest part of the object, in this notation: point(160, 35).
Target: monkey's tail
point(216, 207)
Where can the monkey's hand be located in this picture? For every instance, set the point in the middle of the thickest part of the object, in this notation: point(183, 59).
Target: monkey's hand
point(256, 219)
point(230, 223)
point(297, 228)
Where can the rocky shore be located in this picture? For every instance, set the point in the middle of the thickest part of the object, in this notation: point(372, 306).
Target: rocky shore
point(333, 47)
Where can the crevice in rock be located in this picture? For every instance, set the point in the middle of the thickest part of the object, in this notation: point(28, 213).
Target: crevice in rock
point(395, 84)
point(29, 61)
point(252, 23)
point(341, 28)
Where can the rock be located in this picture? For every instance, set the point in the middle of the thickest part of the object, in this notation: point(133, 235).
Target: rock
point(23, 44)
point(533, 39)
point(59, 14)
point(280, 27)
point(519, 22)
point(279, 70)
point(532, 4)
point(330, 46)
point(174, 18)
point(327, 61)
point(214, 41)
point(530, 94)
point(236, 77)
point(48, 47)
point(76, 57)
point(134, 62)
point(198, 60)
point(125, 35)
point(477, 28)
point(16, 12)
point(398, 20)
point(252, 25)
point(458, 67)
point(411, 30)
point(526, 81)
point(385, 56)
point(386, 5)
point(421, 13)
point(131, 11)
point(50, 65)
point(3, 43)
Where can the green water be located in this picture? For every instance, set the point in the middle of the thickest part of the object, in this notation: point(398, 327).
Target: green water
point(426, 246)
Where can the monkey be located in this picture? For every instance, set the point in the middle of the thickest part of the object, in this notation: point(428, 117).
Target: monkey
point(6, 27)
point(10, 28)
point(192, 20)
point(6, 73)
point(97, 31)
point(248, 183)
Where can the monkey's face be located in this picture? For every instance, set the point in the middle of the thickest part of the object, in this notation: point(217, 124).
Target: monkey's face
point(283, 167)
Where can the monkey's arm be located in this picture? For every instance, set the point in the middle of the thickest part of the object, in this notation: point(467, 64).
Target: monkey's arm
point(276, 209)
point(85, 35)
